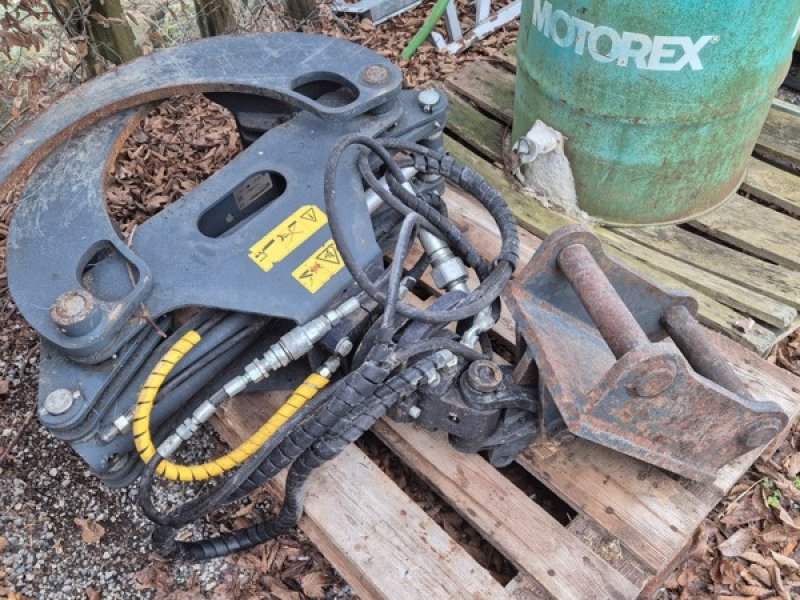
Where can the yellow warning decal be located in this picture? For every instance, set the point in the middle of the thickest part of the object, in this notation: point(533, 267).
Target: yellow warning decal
point(319, 268)
point(287, 237)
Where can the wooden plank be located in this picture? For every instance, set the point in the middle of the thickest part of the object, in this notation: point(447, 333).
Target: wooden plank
point(649, 512)
point(772, 280)
point(508, 56)
point(469, 124)
point(773, 186)
point(489, 87)
point(611, 550)
point(382, 543)
point(779, 141)
point(525, 587)
point(756, 229)
point(784, 106)
point(542, 222)
point(727, 292)
point(518, 527)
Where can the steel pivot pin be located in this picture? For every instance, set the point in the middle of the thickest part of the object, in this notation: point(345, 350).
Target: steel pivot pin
point(59, 401)
point(429, 98)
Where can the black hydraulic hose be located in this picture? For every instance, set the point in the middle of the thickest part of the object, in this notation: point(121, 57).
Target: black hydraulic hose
point(198, 507)
point(339, 405)
point(431, 218)
point(388, 198)
point(487, 291)
point(353, 391)
point(451, 233)
point(404, 242)
point(331, 445)
point(434, 161)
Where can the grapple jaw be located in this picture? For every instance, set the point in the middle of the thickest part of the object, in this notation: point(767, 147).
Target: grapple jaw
point(622, 362)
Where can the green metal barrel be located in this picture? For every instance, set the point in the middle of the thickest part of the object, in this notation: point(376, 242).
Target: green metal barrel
point(661, 102)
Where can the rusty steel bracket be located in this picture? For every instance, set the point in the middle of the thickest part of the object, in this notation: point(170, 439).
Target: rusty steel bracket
point(622, 362)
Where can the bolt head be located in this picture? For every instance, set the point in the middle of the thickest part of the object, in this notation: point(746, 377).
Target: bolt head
point(564, 437)
point(429, 98)
point(484, 376)
point(59, 401)
point(344, 347)
point(414, 412)
point(73, 312)
point(433, 378)
point(376, 74)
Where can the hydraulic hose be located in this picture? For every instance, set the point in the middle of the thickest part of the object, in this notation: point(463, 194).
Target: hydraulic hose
point(200, 472)
point(197, 508)
point(404, 350)
point(369, 401)
point(431, 162)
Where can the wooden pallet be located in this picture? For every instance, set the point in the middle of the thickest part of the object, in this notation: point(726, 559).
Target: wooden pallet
point(634, 521)
point(742, 261)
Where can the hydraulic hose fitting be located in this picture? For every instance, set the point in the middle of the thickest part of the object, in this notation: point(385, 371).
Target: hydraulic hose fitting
point(449, 272)
point(187, 429)
point(295, 344)
point(482, 323)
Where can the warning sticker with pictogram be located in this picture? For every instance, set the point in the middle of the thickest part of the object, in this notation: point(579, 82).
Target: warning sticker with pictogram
point(287, 237)
point(319, 268)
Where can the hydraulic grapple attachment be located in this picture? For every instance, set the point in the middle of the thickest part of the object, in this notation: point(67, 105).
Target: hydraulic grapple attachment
point(279, 259)
point(622, 362)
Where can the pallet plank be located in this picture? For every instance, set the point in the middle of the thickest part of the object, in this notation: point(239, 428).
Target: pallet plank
point(540, 221)
point(384, 544)
point(773, 186)
point(755, 229)
point(469, 124)
point(779, 141)
point(772, 280)
point(489, 87)
point(727, 292)
point(519, 528)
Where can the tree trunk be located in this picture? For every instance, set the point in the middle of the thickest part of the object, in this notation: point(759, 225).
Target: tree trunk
point(214, 17)
point(111, 33)
point(300, 10)
point(112, 40)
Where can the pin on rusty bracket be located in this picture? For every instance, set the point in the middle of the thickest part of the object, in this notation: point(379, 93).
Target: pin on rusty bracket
point(623, 363)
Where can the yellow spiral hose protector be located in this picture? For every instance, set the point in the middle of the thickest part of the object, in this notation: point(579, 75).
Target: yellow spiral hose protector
point(177, 472)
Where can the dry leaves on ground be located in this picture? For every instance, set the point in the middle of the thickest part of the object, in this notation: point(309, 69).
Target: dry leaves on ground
point(181, 143)
point(391, 37)
point(787, 353)
point(750, 545)
point(91, 531)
